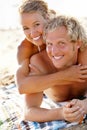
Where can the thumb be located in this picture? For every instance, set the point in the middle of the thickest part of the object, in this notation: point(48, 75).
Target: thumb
point(71, 103)
point(34, 68)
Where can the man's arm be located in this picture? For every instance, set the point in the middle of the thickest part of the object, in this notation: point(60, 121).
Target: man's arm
point(33, 112)
point(76, 103)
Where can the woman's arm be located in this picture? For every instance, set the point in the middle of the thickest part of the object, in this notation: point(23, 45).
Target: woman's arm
point(37, 83)
point(25, 50)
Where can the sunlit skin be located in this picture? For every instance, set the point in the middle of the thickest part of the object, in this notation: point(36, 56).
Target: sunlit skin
point(32, 24)
point(66, 53)
point(60, 49)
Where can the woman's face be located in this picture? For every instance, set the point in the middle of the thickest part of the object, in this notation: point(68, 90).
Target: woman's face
point(32, 24)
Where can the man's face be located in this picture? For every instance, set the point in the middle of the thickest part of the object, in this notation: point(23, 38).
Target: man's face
point(60, 49)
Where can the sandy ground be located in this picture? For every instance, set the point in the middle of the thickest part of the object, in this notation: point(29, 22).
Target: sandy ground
point(9, 40)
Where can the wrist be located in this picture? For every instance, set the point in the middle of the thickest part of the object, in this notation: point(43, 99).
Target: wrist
point(62, 113)
point(84, 102)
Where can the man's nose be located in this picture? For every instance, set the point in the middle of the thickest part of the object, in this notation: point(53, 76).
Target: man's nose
point(54, 49)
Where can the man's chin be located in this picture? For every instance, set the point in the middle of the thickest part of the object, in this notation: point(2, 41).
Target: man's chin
point(59, 67)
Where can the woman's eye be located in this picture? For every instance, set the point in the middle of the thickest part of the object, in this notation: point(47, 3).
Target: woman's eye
point(37, 24)
point(25, 28)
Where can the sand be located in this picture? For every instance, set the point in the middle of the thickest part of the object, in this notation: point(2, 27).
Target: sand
point(9, 41)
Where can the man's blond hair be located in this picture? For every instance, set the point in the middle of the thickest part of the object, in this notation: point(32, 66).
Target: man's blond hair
point(74, 29)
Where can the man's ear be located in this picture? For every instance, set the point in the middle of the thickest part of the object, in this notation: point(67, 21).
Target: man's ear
point(79, 44)
point(47, 17)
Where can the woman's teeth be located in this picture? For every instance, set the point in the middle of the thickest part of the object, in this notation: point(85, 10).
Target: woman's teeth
point(36, 38)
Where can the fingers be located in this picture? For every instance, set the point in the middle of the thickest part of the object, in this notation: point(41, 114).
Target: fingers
point(83, 67)
point(77, 73)
point(71, 103)
point(81, 80)
point(83, 71)
point(34, 69)
point(32, 66)
point(76, 116)
point(73, 114)
point(72, 109)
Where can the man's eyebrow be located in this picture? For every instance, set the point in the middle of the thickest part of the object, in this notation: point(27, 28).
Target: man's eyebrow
point(36, 22)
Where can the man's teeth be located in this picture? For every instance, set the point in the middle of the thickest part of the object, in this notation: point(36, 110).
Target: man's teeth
point(58, 57)
point(36, 38)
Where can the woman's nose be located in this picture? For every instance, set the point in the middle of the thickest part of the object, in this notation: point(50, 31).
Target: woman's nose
point(32, 33)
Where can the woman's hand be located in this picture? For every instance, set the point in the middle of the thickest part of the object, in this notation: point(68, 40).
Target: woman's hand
point(76, 73)
point(34, 70)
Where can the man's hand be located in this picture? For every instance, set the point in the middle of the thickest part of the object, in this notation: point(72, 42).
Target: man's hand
point(74, 111)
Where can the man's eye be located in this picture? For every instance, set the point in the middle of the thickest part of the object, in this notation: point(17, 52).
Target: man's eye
point(49, 44)
point(61, 43)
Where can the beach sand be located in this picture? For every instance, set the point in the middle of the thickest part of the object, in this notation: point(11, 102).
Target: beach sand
point(9, 40)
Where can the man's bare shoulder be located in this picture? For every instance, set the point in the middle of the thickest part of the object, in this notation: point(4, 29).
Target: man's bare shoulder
point(42, 62)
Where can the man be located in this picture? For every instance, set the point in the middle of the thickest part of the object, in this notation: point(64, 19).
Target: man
point(64, 39)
